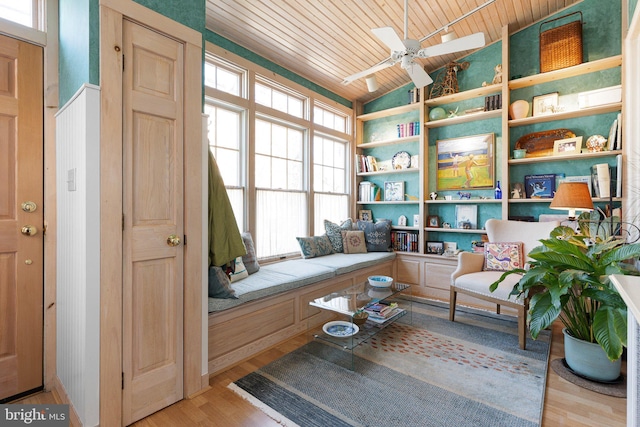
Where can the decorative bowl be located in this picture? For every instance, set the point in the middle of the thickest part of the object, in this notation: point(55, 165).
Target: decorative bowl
point(519, 153)
point(340, 329)
point(360, 317)
point(380, 281)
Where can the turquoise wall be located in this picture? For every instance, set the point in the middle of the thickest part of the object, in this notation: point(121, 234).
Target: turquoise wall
point(80, 43)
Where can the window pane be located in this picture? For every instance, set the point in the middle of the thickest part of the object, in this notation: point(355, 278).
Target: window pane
point(279, 101)
point(228, 82)
point(329, 206)
point(229, 164)
point(339, 184)
point(295, 107)
point(279, 141)
point(263, 137)
point(327, 158)
point(330, 118)
point(263, 172)
point(279, 173)
point(295, 138)
point(236, 197)
point(281, 217)
point(263, 95)
point(218, 75)
point(227, 134)
point(295, 178)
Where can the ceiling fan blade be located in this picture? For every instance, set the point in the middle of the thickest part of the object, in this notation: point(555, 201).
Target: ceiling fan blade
point(463, 43)
point(380, 66)
point(388, 36)
point(418, 75)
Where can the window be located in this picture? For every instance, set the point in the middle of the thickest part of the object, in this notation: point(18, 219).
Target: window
point(329, 181)
point(270, 95)
point(223, 76)
point(24, 12)
point(325, 116)
point(225, 142)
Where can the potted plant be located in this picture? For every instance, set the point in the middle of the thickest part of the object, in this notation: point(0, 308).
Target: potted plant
point(568, 277)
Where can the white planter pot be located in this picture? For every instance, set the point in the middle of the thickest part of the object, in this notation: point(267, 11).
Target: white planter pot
point(589, 359)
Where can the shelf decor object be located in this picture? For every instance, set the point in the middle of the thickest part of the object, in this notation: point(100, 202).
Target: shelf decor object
point(465, 162)
point(545, 104)
point(540, 144)
point(394, 191)
point(572, 197)
point(564, 147)
point(561, 47)
point(519, 109)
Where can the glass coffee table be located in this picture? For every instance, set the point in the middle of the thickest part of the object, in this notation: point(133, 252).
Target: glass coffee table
point(385, 306)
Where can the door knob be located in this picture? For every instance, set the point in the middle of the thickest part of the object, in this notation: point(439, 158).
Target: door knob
point(29, 230)
point(173, 240)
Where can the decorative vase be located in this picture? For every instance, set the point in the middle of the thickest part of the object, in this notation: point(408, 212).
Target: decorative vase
point(519, 109)
point(437, 113)
point(498, 191)
point(589, 359)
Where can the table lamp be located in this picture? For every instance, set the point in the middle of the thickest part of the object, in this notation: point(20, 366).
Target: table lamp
point(572, 196)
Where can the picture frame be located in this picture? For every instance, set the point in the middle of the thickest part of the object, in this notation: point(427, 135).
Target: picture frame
point(466, 217)
point(433, 221)
point(567, 146)
point(540, 186)
point(365, 215)
point(416, 220)
point(465, 162)
point(435, 247)
point(450, 248)
point(545, 104)
point(394, 191)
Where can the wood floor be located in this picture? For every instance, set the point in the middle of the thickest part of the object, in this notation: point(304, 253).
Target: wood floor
point(565, 404)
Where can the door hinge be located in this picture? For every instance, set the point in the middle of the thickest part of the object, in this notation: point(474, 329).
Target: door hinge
point(123, 381)
point(184, 240)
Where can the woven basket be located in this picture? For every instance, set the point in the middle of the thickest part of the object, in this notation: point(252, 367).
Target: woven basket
point(561, 47)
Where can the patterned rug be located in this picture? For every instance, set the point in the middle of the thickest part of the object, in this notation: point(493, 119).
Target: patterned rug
point(432, 372)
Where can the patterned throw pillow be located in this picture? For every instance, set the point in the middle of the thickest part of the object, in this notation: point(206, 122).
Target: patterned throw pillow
point(240, 271)
point(503, 256)
point(315, 246)
point(377, 235)
point(250, 260)
point(219, 285)
point(354, 242)
point(334, 232)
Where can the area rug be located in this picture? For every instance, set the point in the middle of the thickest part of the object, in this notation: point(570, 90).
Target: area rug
point(432, 372)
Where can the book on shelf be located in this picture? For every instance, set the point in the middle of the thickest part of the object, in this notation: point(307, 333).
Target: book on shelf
point(381, 312)
point(369, 192)
point(540, 186)
point(366, 163)
point(619, 175)
point(601, 180)
point(404, 241)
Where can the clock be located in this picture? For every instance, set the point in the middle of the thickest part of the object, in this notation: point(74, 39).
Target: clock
point(401, 160)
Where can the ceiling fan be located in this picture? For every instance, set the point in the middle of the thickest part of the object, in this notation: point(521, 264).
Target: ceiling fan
point(406, 51)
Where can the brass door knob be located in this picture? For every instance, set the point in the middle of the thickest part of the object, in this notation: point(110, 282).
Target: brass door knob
point(29, 230)
point(173, 240)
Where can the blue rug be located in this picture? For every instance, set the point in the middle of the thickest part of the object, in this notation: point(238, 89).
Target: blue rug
point(432, 372)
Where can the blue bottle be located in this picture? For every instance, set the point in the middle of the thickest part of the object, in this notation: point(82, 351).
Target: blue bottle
point(498, 191)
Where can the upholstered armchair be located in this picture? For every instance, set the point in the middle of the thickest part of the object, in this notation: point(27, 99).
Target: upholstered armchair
point(470, 278)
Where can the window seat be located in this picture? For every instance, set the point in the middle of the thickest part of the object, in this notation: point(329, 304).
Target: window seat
point(273, 303)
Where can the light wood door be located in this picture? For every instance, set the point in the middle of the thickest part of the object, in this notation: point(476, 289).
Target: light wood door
point(21, 255)
point(153, 221)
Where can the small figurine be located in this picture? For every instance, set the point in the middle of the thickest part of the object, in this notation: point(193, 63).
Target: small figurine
point(433, 195)
point(402, 220)
point(515, 193)
point(497, 77)
point(453, 113)
point(464, 195)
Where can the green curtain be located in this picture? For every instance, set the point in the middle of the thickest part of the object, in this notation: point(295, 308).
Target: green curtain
point(225, 241)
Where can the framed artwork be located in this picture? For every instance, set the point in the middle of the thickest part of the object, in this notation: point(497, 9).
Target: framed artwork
point(540, 186)
point(435, 248)
point(450, 248)
point(416, 220)
point(433, 221)
point(545, 104)
point(365, 215)
point(466, 216)
point(562, 147)
point(394, 191)
point(465, 162)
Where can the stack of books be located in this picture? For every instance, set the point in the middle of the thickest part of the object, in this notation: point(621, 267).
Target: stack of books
point(382, 312)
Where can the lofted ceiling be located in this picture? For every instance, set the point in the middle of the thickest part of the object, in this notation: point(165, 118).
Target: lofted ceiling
point(328, 40)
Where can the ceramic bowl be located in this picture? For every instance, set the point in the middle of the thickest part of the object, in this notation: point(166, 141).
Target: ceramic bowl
point(519, 153)
point(380, 281)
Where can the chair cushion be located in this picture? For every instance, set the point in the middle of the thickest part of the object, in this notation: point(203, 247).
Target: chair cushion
point(481, 281)
point(503, 256)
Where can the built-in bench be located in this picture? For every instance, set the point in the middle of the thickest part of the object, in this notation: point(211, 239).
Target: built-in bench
point(273, 303)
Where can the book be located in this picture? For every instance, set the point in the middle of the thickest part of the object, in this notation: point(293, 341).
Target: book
point(396, 312)
point(619, 175)
point(601, 180)
point(540, 186)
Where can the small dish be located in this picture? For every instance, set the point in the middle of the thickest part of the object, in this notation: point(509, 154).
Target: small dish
point(401, 160)
point(380, 281)
point(340, 329)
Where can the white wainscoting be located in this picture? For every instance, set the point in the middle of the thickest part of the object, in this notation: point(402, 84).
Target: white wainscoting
point(78, 251)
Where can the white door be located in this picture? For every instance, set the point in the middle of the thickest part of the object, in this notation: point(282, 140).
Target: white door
point(21, 217)
point(153, 221)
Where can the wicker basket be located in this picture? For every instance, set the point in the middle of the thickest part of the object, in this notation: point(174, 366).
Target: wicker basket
point(561, 47)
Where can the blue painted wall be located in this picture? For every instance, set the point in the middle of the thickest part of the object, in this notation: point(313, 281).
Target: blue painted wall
point(75, 46)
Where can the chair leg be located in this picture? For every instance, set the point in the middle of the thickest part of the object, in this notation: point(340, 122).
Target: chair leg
point(522, 327)
point(497, 308)
point(452, 303)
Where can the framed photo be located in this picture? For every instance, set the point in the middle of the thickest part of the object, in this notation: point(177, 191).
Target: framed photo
point(433, 221)
point(416, 220)
point(562, 147)
point(545, 104)
point(394, 191)
point(450, 248)
point(540, 186)
point(435, 248)
point(466, 216)
point(466, 162)
point(365, 215)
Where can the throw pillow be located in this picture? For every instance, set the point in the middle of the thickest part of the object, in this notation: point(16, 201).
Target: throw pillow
point(503, 256)
point(240, 271)
point(219, 285)
point(354, 242)
point(250, 260)
point(315, 246)
point(334, 232)
point(377, 235)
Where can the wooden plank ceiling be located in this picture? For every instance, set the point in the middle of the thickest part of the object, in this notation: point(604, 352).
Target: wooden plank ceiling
point(327, 40)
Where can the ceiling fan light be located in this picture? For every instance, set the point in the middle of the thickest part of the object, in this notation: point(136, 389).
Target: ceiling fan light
point(447, 37)
point(372, 83)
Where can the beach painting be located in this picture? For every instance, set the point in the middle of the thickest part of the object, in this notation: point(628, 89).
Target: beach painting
point(465, 162)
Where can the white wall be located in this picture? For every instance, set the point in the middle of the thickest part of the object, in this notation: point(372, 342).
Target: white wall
point(78, 249)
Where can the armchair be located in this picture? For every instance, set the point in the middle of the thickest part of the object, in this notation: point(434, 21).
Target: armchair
point(470, 278)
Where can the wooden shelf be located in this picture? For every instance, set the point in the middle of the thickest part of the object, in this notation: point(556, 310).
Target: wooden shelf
point(459, 201)
point(591, 111)
point(456, 230)
point(548, 200)
point(405, 202)
point(405, 228)
point(393, 141)
point(389, 112)
point(581, 156)
point(465, 118)
point(387, 172)
point(463, 96)
point(576, 70)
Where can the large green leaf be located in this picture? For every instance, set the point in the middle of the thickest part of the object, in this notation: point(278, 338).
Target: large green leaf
point(542, 313)
point(610, 331)
point(621, 253)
